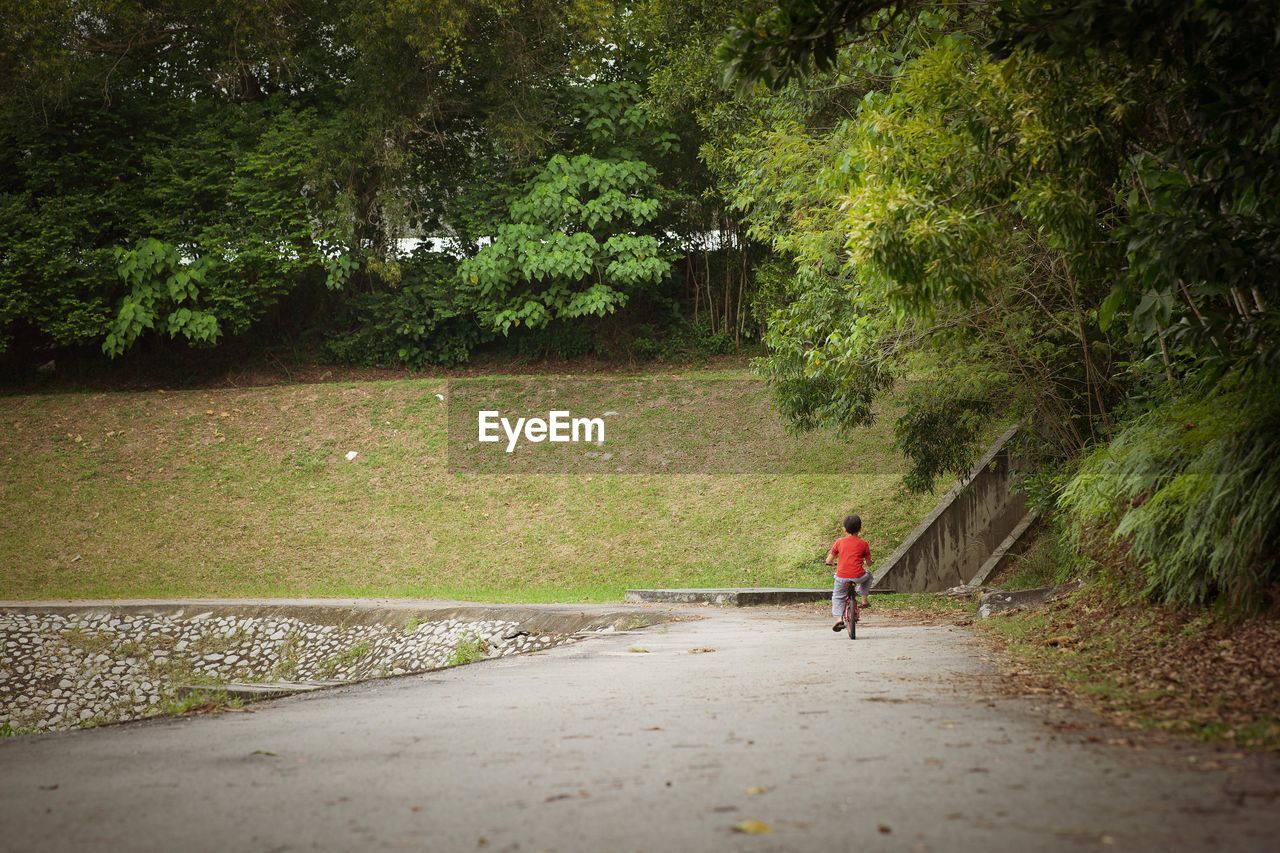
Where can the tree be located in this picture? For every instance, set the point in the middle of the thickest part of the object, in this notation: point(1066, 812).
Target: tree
point(1074, 201)
point(283, 146)
point(574, 244)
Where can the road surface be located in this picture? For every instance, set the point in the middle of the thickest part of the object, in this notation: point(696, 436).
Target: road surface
point(639, 743)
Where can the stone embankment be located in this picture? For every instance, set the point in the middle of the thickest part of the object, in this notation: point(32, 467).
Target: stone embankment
point(62, 670)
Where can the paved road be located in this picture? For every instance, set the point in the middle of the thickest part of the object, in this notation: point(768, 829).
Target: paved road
point(886, 743)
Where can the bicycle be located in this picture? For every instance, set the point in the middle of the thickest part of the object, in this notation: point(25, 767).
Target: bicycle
point(851, 611)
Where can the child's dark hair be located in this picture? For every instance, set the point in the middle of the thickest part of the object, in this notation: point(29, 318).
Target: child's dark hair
point(852, 524)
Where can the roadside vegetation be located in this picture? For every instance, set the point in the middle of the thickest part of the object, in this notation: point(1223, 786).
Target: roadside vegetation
point(1156, 667)
point(1060, 213)
point(201, 701)
point(1165, 668)
point(921, 605)
point(468, 650)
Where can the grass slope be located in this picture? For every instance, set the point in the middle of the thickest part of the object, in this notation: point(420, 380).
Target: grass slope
point(246, 492)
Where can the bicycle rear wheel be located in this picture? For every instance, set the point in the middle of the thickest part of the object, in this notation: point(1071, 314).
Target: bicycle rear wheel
point(851, 616)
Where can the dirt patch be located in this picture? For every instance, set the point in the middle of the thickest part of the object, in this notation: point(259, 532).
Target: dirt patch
point(1157, 668)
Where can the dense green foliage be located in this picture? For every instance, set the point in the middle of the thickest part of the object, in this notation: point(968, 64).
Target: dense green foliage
point(571, 248)
point(159, 278)
point(1060, 212)
point(1064, 212)
point(424, 320)
point(292, 153)
point(1194, 488)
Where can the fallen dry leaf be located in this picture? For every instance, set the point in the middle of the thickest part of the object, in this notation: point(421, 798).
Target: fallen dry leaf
point(1152, 686)
point(752, 827)
point(701, 650)
point(757, 789)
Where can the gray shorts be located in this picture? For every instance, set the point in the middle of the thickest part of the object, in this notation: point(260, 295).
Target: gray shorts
point(841, 591)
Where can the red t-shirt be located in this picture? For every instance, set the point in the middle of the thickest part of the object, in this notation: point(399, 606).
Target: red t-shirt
point(851, 553)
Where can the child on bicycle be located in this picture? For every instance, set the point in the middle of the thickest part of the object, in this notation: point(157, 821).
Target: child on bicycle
point(850, 555)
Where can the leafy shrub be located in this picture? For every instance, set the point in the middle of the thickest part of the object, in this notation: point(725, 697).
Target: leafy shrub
point(164, 289)
point(580, 239)
point(681, 341)
point(423, 321)
point(167, 214)
point(1193, 488)
point(648, 344)
point(708, 342)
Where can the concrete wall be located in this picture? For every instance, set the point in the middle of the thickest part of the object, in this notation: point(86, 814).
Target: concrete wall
point(953, 542)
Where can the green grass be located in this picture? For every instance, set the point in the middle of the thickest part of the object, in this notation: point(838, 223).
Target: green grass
point(7, 730)
point(246, 493)
point(88, 641)
point(1049, 560)
point(354, 654)
point(286, 668)
point(208, 699)
point(468, 650)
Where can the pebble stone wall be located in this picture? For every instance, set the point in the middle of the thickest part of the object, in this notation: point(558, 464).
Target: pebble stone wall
point(60, 671)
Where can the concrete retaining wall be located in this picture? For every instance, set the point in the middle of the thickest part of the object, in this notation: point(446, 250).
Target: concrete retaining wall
point(966, 527)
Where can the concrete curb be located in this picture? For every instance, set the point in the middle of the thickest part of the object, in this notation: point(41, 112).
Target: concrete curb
point(729, 597)
point(256, 691)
